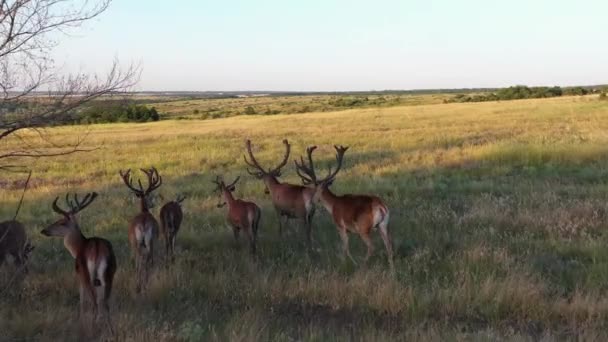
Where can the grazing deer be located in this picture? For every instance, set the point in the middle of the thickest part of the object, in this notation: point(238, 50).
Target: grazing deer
point(171, 216)
point(13, 241)
point(351, 213)
point(290, 201)
point(95, 260)
point(143, 228)
point(242, 215)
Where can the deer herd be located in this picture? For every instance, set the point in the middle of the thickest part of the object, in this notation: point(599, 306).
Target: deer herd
point(95, 261)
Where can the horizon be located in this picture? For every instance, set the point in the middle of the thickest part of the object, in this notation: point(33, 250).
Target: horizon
point(343, 46)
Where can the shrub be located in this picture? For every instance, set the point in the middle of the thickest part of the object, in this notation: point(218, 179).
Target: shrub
point(104, 113)
point(603, 96)
point(250, 111)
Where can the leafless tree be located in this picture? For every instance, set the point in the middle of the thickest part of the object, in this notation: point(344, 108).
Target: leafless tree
point(33, 93)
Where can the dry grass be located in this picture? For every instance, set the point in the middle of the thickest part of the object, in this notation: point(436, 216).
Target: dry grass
point(498, 214)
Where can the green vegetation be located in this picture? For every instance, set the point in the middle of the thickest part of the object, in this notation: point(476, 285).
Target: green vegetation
point(498, 212)
point(520, 92)
point(111, 111)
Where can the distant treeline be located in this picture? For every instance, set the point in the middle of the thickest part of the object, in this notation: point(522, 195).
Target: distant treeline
point(523, 92)
point(116, 111)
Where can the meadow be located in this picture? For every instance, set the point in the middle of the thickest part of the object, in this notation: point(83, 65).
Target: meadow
point(498, 215)
point(210, 108)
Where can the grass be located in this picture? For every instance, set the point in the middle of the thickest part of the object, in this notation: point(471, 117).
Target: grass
point(498, 215)
point(272, 105)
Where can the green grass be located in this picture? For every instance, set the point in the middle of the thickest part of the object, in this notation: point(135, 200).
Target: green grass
point(498, 215)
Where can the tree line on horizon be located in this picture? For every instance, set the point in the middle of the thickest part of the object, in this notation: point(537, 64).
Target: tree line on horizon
point(520, 92)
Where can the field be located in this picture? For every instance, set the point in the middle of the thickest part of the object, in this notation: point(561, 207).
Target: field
point(272, 105)
point(498, 214)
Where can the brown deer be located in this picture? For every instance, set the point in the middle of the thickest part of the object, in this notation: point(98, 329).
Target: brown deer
point(290, 201)
point(95, 260)
point(14, 242)
point(171, 216)
point(143, 228)
point(242, 215)
point(350, 213)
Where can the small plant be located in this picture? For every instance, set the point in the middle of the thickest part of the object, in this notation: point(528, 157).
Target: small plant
point(603, 96)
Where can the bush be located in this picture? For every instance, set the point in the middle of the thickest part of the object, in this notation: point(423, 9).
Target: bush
point(603, 97)
point(104, 113)
point(250, 111)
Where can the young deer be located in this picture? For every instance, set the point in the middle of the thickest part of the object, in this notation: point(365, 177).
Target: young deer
point(351, 213)
point(13, 241)
point(171, 216)
point(95, 260)
point(290, 201)
point(241, 214)
point(143, 228)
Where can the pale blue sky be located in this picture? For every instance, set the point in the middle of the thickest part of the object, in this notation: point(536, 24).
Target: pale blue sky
point(347, 45)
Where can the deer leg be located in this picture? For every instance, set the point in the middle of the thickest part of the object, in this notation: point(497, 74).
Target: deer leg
point(280, 224)
point(173, 248)
point(370, 246)
point(138, 271)
point(345, 249)
point(107, 281)
point(383, 228)
point(308, 223)
point(167, 248)
point(251, 238)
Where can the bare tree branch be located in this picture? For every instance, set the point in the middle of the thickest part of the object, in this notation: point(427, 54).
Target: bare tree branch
point(33, 94)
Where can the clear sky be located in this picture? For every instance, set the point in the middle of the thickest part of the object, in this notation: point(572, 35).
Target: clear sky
point(347, 44)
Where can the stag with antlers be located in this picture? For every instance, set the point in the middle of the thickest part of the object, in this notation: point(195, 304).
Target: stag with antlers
point(95, 260)
point(351, 213)
point(171, 216)
point(242, 215)
point(143, 228)
point(290, 201)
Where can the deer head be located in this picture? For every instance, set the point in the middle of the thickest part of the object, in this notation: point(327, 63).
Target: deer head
point(306, 169)
point(68, 224)
point(258, 171)
point(145, 195)
point(221, 187)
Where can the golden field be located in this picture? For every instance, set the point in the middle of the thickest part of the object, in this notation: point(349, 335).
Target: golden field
point(498, 214)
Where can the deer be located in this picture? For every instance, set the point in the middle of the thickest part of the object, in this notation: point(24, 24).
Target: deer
point(289, 200)
point(242, 215)
point(14, 242)
point(171, 216)
point(94, 256)
point(143, 228)
point(358, 214)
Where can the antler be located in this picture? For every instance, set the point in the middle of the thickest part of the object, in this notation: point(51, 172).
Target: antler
point(307, 172)
point(154, 179)
point(252, 162)
point(75, 205)
point(277, 170)
point(126, 178)
point(233, 183)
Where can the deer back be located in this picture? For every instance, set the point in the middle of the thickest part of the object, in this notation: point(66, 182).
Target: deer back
point(13, 239)
point(171, 215)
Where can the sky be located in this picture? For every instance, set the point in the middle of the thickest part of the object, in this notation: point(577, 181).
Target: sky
point(350, 45)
